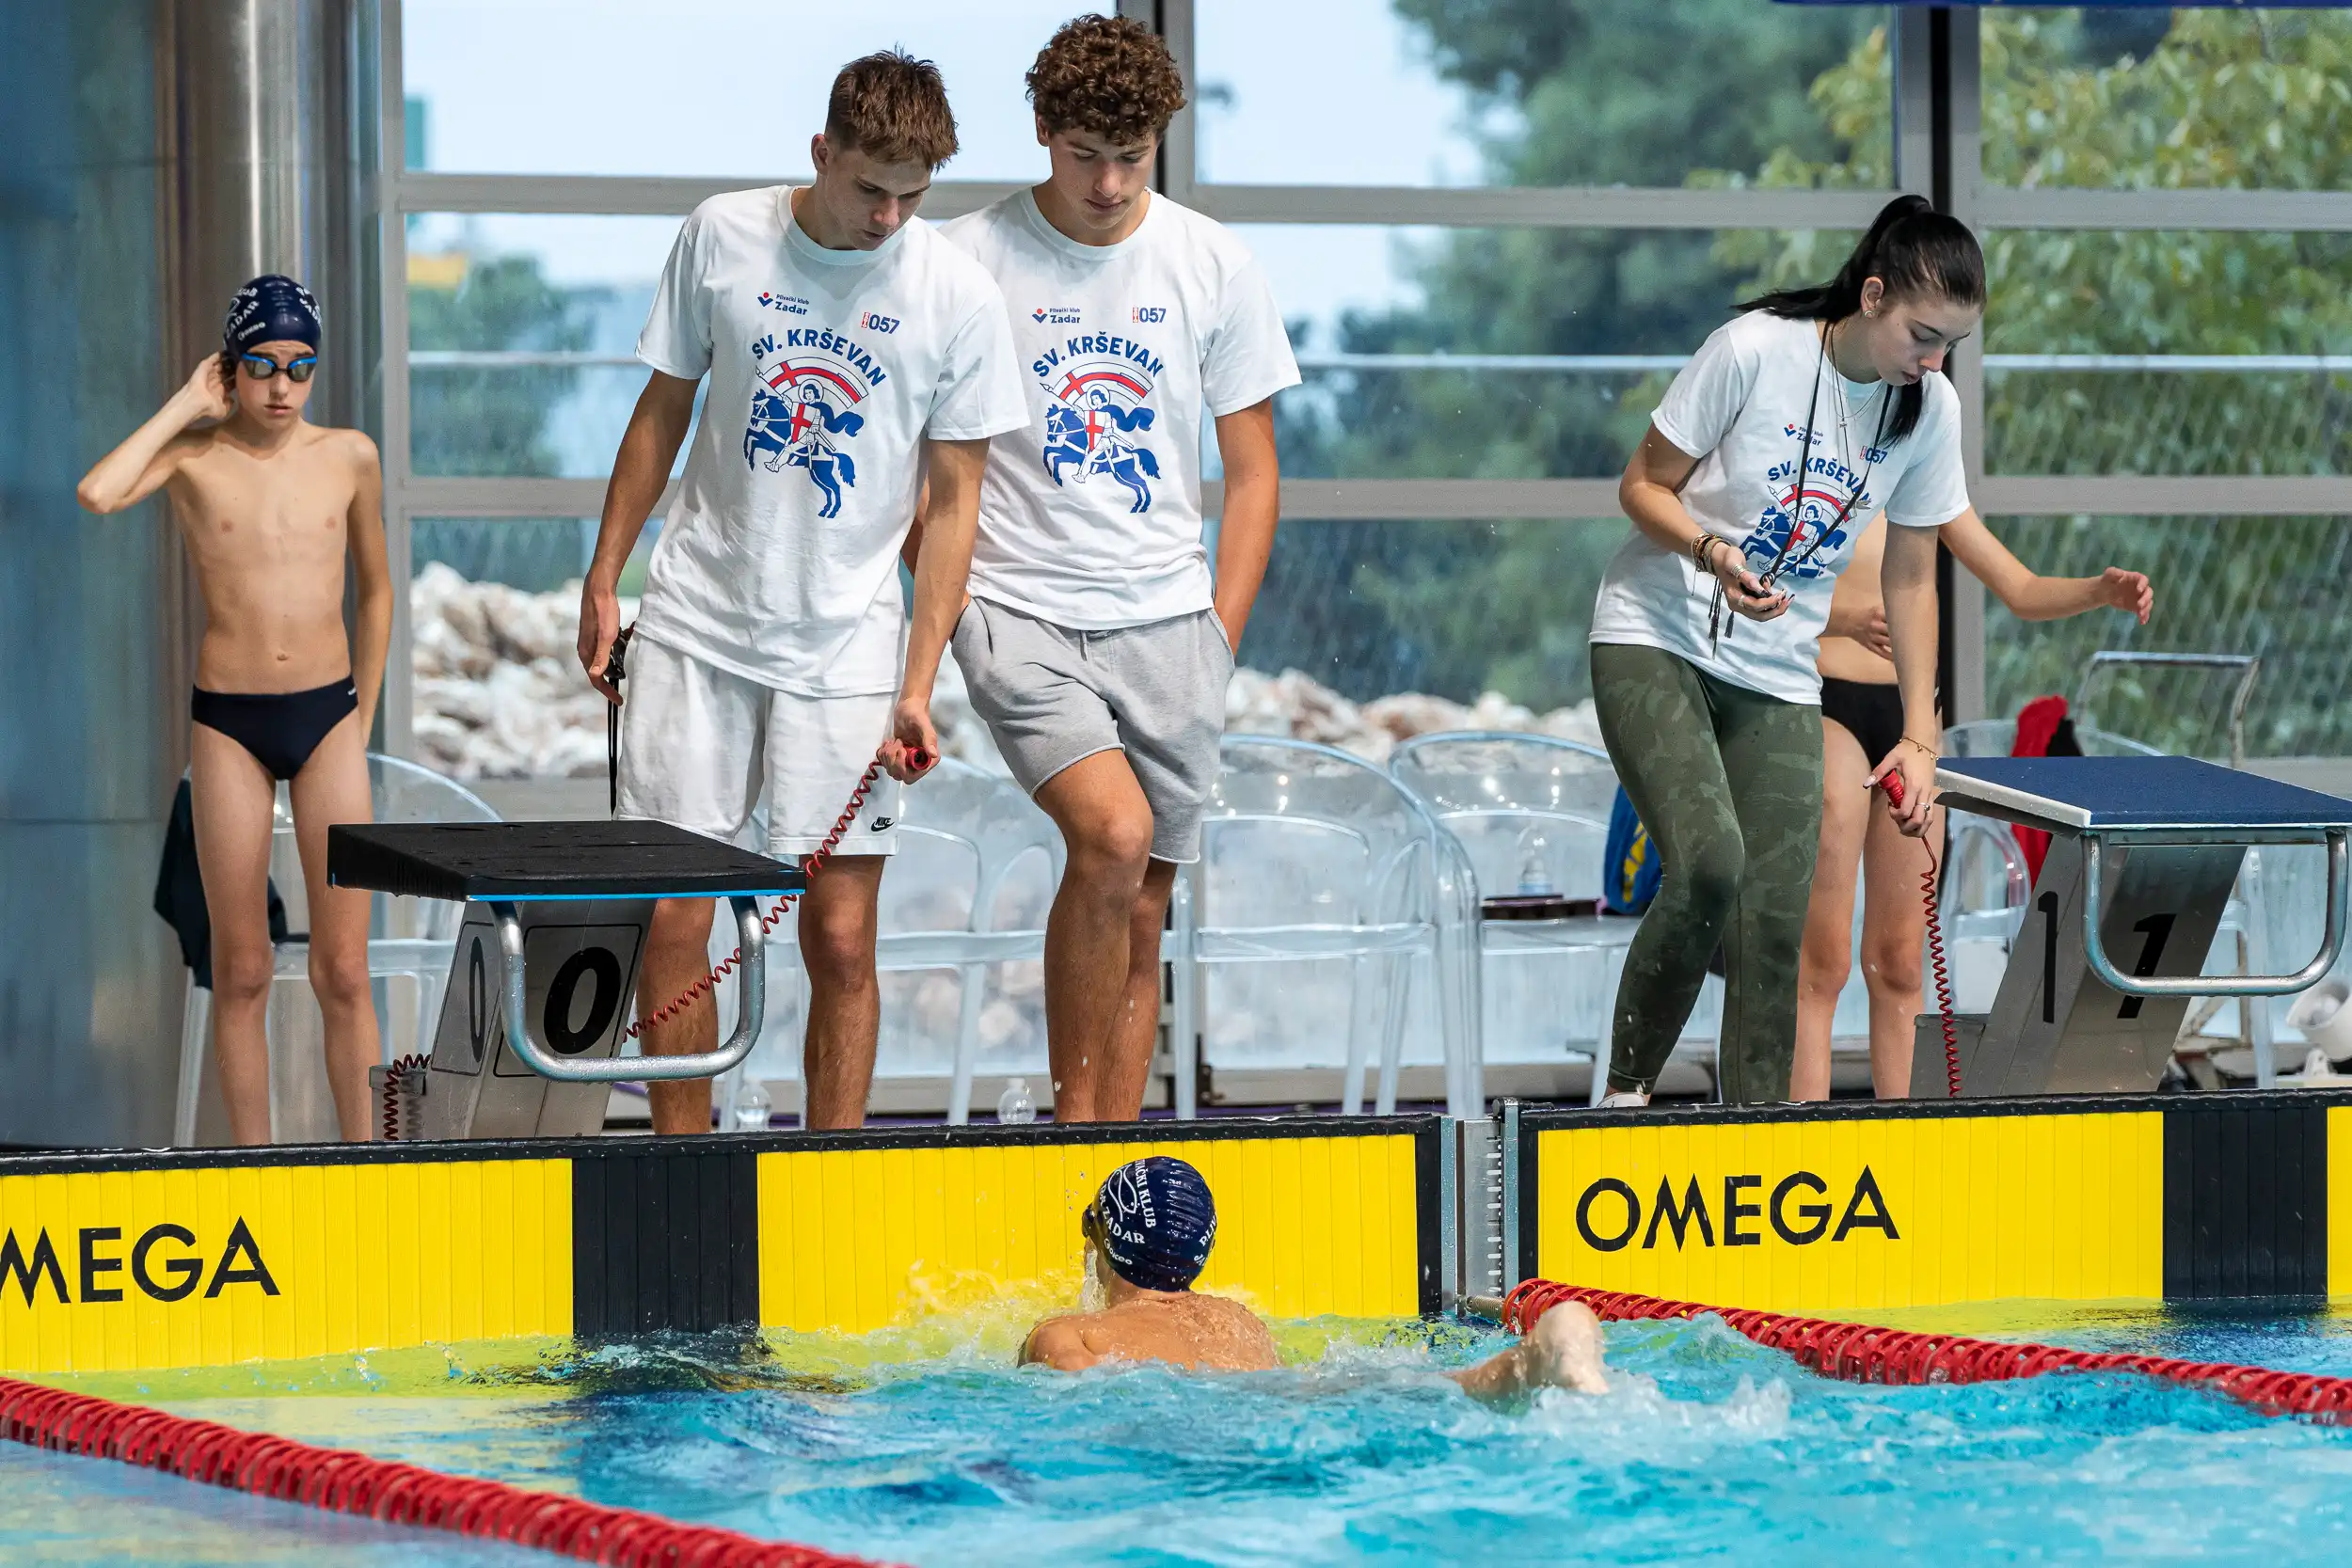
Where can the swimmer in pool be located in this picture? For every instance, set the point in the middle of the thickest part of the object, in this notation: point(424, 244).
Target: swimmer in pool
point(1148, 1233)
point(270, 506)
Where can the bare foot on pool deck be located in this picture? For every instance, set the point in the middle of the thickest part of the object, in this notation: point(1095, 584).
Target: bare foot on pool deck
point(1561, 1351)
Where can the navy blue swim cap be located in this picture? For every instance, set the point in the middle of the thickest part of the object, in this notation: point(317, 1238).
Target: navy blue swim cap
point(1155, 1222)
point(272, 308)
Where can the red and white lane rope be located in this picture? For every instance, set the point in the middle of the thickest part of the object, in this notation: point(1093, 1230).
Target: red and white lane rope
point(1860, 1353)
point(347, 1482)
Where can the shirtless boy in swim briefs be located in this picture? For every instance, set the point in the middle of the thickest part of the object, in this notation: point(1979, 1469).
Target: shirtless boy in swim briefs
point(269, 506)
point(1149, 1232)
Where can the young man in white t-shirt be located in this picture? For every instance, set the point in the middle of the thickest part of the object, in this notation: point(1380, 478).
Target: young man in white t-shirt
point(851, 352)
point(1097, 645)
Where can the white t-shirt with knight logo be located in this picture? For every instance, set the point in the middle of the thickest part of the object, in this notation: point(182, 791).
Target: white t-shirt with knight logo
point(1740, 406)
point(779, 560)
point(1091, 516)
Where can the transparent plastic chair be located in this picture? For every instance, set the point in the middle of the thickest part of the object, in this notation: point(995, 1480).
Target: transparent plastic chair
point(1532, 815)
point(1312, 855)
point(964, 896)
point(977, 866)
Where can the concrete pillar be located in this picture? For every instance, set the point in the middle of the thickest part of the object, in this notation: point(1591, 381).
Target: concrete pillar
point(144, 172)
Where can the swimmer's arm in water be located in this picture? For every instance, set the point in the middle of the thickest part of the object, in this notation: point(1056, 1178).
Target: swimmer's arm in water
point(145, 462)
point(1061, 1345)
point(1561, 1351)
point(2030, 597)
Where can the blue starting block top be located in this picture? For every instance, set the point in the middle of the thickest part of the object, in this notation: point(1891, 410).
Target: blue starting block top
point(2135, 795)
point(531, 862)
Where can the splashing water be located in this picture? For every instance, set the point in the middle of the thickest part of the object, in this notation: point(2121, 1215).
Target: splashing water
point(922, 1445)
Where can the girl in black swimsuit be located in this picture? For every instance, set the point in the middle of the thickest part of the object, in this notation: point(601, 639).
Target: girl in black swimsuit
point(1862, 719)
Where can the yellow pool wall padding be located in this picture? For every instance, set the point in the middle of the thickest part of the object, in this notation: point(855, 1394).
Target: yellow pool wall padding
point(2053, 1208)
point(2338, 1202)
point(358, 1257)
point(1306, 1226)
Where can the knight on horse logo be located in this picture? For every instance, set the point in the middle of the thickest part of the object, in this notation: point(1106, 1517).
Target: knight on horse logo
point(1098, 406)
point(798, 406)
point(1795, 517)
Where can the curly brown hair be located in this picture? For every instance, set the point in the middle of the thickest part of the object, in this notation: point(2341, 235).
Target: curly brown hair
point(1109, 75)
point(895, 107)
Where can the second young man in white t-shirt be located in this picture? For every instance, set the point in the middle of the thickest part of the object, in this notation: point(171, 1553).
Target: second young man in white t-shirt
point(1097, 645)
point(851, 352)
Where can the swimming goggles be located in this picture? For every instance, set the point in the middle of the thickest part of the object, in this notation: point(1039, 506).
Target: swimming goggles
point(261, 367)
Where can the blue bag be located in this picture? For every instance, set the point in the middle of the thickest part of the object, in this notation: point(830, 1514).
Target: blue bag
point(1630, 866)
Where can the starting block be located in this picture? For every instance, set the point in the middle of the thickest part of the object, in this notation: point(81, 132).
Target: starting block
point(2143, 854)
point(539, 990)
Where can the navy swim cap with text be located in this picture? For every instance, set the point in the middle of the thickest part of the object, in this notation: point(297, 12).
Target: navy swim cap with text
point(273, 309)
point(1155, 1223)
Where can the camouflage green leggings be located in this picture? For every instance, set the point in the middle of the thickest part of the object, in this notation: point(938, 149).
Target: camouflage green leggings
point(1728, 782)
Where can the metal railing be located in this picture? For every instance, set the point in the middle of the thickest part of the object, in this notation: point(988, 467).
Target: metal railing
point(1568, 364)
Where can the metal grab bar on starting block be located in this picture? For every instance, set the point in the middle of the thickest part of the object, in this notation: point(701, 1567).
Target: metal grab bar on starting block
point(751, 1005)
point(2095, 948)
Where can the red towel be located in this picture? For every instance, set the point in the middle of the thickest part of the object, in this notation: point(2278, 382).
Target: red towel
point(2038, 721)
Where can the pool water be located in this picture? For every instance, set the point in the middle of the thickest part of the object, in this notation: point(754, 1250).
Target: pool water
point(924, 1447)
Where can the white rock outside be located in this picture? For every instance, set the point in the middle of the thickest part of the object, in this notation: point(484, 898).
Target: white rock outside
point(500, 693)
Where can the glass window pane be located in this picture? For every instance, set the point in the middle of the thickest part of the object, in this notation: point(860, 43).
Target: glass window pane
point(2270, 586)
point(698, 87)
point(1537, 92)
point(2167, 353)
point(494, 608)
point(522, 330)
point(1356, 611)
point(2146, 98)
point(1560, 342)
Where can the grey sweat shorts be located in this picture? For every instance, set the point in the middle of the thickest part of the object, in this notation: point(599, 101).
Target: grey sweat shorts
point(1052, 696)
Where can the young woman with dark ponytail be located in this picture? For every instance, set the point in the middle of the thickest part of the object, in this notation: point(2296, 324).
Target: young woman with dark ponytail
point(1794, 425)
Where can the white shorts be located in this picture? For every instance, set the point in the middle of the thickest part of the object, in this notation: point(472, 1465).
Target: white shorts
point(699, 744)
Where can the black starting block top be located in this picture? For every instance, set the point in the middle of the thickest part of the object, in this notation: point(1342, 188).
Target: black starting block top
point(2135, 795)
point(530, 861)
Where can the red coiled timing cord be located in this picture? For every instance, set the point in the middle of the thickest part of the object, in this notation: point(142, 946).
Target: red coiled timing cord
point(1927, 891)
point(394, 1076)
point(1893, 783)
point(1859, 1352)
point(347, 1482)
point(710, 983)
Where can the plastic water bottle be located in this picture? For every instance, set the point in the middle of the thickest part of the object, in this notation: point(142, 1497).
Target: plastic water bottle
point(1014, 1108)
point(751, 1106)
point(1535, 863)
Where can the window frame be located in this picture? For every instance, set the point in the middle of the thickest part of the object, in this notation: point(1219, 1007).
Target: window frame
point(1932, 131)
